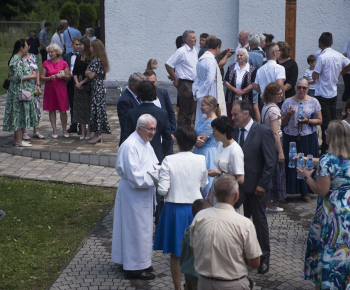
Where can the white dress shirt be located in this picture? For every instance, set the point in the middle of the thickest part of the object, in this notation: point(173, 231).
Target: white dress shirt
point(184, 61)
point(269, 72)
point(246, 129)
point(329, 65)
point(240, 73)
point(181, 177)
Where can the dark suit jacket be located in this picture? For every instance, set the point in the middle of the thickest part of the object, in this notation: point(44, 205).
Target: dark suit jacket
point(125, 103)
point(166, 104)
point(163, 127)
point(70, 85)
point(259, 157)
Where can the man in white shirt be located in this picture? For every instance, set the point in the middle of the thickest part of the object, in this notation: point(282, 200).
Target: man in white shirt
point(206, 80)
point(270, 71)
point(329, 67)
point(243, 40)
point(223, 241)
point(346, 77)
point(181, 67)
point(133, 212)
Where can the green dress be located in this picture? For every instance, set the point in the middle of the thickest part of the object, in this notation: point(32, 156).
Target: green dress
point(19, 114)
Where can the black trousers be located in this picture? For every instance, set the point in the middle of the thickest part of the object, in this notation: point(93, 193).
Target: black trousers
point(70, 92)
point(328, 110)
point(43, 53)
point(255, 207)
point(346, 94)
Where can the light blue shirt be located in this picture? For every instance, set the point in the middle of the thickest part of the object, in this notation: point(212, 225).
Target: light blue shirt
point(68, 38)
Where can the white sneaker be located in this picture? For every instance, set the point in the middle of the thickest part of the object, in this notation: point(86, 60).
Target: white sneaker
point(274, 209)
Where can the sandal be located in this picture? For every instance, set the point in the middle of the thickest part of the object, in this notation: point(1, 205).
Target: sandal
point(38, 135)
point(25, 136)
point(305, 198)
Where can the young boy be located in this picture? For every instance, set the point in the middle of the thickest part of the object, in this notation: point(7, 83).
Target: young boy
point(311, 60)
point(34, 44)
point(187, 258)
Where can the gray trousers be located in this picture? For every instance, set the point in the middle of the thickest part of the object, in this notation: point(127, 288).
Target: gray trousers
point(208, 284)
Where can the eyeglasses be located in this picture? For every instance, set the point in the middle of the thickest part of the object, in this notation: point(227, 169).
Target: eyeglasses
point(302, 88)
point(150, 129)
point(279, 94)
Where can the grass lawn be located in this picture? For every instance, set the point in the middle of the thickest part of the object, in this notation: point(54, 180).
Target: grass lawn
point(4, 58)
point(44, 224)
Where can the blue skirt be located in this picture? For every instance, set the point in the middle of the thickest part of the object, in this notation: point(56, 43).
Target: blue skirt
point(308, 145)
point(173, 221)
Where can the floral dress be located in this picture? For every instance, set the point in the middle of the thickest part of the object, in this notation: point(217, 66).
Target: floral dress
point(208, 149)
point(19, 114)
point(98, 120)
point(327, 258)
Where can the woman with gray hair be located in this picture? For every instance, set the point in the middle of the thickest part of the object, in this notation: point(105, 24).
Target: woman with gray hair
point(239, 80)
point(55, 73)
point(90, 33)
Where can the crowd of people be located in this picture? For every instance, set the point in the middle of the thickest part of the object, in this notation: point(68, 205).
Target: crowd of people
point(232, 167)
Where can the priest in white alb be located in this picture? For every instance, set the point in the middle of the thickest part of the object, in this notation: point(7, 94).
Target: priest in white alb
point(209, 80)
point(133, 212)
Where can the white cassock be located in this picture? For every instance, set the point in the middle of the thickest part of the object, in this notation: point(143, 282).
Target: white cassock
point(208, 82)
point(133, 212)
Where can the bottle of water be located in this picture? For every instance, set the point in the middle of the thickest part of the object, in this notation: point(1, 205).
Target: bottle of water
point(309, 163)
point(300, 111)
point(300, 163)
point(292, 154)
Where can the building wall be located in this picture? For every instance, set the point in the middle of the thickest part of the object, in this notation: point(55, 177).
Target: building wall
point(139, 30)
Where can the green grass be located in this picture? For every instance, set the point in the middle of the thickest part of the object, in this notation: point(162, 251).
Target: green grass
point(4, 58)
point(44, 224)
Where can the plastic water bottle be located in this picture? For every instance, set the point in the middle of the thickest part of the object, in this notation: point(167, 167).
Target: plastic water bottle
point(300, 163)
point(309, 163)
point(292, 154)
point(300, 111)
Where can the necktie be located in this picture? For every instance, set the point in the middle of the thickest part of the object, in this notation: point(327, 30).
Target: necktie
point(75, 53)
point(241, 138)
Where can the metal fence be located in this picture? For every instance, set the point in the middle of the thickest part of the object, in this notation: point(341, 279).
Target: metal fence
point(10, 31)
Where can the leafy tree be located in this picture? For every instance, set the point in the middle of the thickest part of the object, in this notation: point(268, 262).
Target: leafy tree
point(97, 8)
point(10, 8)
point(70, 11)
point(88, 16)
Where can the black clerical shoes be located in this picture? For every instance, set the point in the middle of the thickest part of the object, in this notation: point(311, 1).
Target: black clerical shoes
point(264, 266)
point(140, 275)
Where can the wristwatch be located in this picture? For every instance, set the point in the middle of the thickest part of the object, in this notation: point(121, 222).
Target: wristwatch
point(306, 177)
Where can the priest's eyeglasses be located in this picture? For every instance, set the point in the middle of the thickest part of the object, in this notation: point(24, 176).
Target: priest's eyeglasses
point(150, 129)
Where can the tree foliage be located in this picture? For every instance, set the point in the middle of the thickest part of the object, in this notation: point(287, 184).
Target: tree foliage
point(10, 8)
point(70, 11)
point(88, 16)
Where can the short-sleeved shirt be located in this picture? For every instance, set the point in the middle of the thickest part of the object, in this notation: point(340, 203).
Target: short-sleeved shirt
point(308, 74)
point(34, 45)
point(230, 159)
point(310, 107)
point(347, 50)
point(44, 36)
point(68, 36)
point(269, 113)
point(221, 239)
point(269, 72)
point(329, 65)
point(184, 61)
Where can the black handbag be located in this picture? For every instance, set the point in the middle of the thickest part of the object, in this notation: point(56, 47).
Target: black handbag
point(87, 87)
point(6, 84)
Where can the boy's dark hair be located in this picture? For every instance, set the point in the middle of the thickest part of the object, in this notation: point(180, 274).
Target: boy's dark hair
point(213, 43)
point(179, 41)
point(311, 58)
point(204, 35)
point(198, 205)
point(32, 30)
point(47, 24)
point(326, 39)
point(146, 91)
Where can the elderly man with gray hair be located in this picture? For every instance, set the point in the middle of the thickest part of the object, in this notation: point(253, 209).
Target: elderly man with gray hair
point(223, 241)
point(133, 212)
point(128, 100)
point(181, 67)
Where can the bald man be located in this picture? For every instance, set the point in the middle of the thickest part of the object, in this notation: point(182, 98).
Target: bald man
point(243, 40)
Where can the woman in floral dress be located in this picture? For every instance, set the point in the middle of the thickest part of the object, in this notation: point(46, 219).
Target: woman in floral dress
point(19, 114)
point(96, 71)
point(327, 258)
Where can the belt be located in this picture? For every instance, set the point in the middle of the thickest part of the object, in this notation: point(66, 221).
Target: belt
point(216, 279)
point(188, 81)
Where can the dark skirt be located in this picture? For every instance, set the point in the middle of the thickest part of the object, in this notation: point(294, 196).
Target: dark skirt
point(173, 221)
point(307, 145)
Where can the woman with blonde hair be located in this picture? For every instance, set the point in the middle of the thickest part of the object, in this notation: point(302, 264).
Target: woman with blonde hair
point(327, 259)
point(96, 72)
point(152, 64)
point(206, 144)
point(55, 73)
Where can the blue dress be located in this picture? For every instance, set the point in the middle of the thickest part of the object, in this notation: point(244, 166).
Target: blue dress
point(327, 258)
point(208, 149)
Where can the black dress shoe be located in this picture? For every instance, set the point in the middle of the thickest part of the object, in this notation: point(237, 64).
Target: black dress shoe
point(72, 130)
point(140, 275)
point(149, 269)
point(263, 268)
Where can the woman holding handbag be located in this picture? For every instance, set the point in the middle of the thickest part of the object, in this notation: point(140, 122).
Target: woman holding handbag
point(20, 113)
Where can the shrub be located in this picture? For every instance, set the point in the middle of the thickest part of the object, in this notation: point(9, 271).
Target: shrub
point(87, 17)
point(97, 8)
point(70, 11)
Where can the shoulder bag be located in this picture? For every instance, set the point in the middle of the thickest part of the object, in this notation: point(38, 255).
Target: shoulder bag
point(24, 96)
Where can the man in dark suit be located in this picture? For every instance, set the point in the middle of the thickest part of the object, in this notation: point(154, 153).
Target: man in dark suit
point(260, 158)
point(147, 93)
point(127, 101)
point(163, 101)
point(70, 59)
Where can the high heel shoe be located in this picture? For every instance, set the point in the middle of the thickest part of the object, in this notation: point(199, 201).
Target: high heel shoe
point(94, 141)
